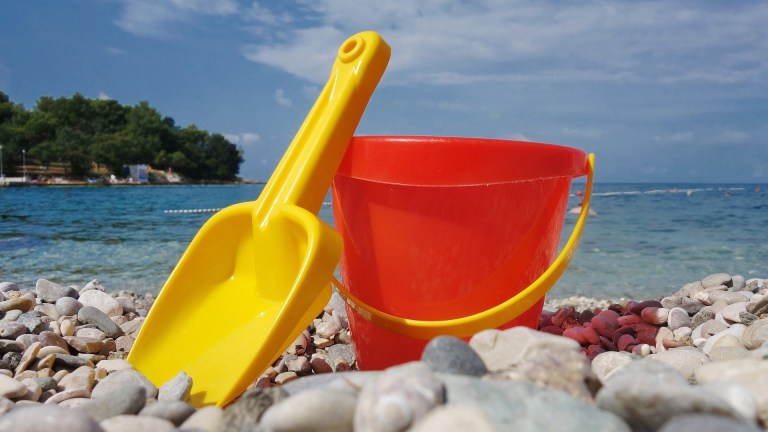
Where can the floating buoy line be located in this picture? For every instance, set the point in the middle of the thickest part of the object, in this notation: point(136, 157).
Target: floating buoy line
point(212, 210)
point(207, 210)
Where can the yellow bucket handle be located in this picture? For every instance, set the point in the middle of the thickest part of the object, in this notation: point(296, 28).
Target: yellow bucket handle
point(491, 318)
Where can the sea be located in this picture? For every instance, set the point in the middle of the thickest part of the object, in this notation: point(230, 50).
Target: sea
point(645, 240)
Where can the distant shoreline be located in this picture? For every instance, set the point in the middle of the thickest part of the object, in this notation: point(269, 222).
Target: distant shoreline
point(128, 184)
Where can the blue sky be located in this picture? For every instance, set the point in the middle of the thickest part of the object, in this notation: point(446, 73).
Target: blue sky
point(660, 91)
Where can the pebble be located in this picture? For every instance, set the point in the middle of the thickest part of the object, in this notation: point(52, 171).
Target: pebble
point(209, 418)
point(705, 359)
point(706, 423)
point(101, 301)
point(34, 418)
point(448, 354)
point(756, 334)
point(11, 388)
point(93, 315)
point(647, 393)
point(176, 389)
point(455, 417)
point(132, 423)
point(68, 306)
point(284, 415)
point(398, 398)
point(12, 329)
point(48, 291)
point(685, 361)
point(175, 411)
point(128, 399)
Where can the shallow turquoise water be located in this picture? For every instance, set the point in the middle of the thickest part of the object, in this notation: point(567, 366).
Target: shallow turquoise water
point(646, 240)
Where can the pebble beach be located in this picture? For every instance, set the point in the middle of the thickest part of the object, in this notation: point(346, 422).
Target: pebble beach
point(693, 360)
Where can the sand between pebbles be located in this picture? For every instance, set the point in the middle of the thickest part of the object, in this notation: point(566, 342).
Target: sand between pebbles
point(695, 360)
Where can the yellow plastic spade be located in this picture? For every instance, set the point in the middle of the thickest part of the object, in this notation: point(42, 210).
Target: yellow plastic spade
point(257, 273)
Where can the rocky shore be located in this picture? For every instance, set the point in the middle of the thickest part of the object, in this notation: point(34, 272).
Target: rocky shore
point(695, 360)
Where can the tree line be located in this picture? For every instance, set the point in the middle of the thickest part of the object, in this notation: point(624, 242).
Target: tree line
point(80, 133)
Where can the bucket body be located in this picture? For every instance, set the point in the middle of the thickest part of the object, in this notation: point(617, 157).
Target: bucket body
point(439, 228)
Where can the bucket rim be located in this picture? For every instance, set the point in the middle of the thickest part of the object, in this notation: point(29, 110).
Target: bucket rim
point(424, 160)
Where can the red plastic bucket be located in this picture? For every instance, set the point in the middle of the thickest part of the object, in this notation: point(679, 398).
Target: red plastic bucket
point(441, 228)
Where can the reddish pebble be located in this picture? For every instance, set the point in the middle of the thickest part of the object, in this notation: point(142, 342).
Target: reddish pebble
point(591, 335)
point(546, 318)
point(619, 309)
point(654, 315)
point(570, 322)
point(609, 314)
point(625, 341)
point(604, 326)
point(586, 316)
point(636, 309)
point(629, 319)
point(552, 330)
point(577, 334)
point(559, 317)
point(622, 331)
point(607, 343)
point(593, 351)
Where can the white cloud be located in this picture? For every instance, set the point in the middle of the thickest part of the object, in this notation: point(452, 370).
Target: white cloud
point(516, 137)
point(114, 50)
point(580, 132)
point(281, 99)
point(151, 17)
point(243, 139)
point(104, 96)
point(311, 92)
point(450, 43)
point(676, 137)
point(732, 136)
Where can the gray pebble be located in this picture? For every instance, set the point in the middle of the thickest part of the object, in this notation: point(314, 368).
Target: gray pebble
point(174, 411)
point(305, 411)
point(176, 389)
point(46, 383)
point(678, 317)
point(132, 423)
point(11, 346)
point(68, 306)
point(12, 329)
point(647, 393)
point(70, 361)
point(756, 334)
point(8, 286)
point(32, 320)
point(92, 315)
point(738, 283)
point(246, 411)
point(341, 351)
point(398, 398)
point(48, 291)
point(716, 279)
point(685, 361)
point(11, 315)
point(706, 423)
point(121, 378)
point(34, 418)
point(449, 354)
point(455, 417)
point(128, 399)
point(522, 406)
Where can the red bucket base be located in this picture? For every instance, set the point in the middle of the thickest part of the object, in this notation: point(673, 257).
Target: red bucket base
point(468, 225)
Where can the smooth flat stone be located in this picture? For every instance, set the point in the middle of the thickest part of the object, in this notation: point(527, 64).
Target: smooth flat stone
point(449, 354)
point(30, 418)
